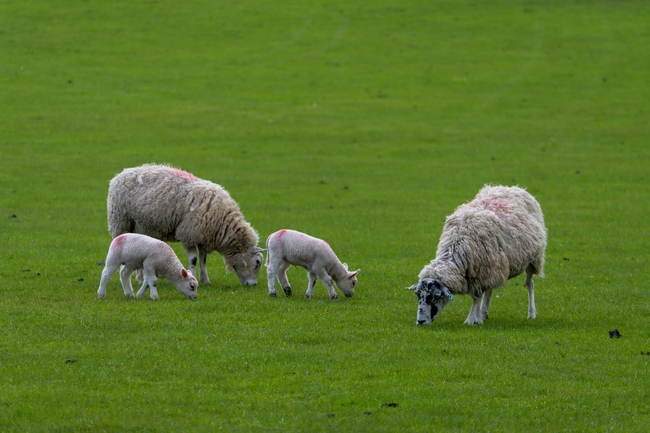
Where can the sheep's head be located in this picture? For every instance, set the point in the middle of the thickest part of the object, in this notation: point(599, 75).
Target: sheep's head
point(247, 265)
point(188, 285)
point(347, 283)
point(432, 298)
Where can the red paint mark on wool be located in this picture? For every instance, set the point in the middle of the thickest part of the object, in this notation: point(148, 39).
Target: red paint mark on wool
point(184, 174)
point(495, 205)
point(118, 241)
point(282, 233)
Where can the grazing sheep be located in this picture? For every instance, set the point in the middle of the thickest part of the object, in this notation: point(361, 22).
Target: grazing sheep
point(497, 236)
point(289, 247)
point(172, 205)
point(133, 252)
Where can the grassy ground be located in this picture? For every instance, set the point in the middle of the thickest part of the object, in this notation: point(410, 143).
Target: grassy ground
point(363, 123)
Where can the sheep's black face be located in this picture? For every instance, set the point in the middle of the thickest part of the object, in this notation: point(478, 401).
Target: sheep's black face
point(432, 298)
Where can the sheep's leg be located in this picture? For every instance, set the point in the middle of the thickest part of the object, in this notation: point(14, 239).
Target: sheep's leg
point(530, 285)
point(282, 277)
point(203, 258)
point(474, 317)
point(125, 278)
point(310, 287)
point(485, 305)
point(190, 251)
point(107, 274)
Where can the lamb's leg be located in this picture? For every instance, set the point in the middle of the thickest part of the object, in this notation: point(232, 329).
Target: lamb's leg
point(328, 282)
point(150, 280)
point(125, 278)
point(474, 317)
point(272, 268)
point(203, 258)
point(139, 276)
point(282, 277)
point(107, 274)
point(530, 285)
point(485, 305)
point(140, 293)
point(310, 287)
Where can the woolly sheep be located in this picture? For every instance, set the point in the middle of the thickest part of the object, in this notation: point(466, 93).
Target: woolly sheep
point(289, 247)
point(495, 237)
point(173, 205)
point(135, 251)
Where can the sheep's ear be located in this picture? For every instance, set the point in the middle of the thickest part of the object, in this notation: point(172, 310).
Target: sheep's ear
point(255, 250)
point(184, 273)
point(352, 274)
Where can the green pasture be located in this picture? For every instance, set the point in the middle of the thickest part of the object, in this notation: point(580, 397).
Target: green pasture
point(364, 123)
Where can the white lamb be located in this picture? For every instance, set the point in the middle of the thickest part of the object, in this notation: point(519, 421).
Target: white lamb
point(156, 258)
point(172, 205)
point(289, 247)
point(497, 236)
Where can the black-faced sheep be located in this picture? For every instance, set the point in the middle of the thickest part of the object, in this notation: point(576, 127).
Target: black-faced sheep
point(498, 235)
point(156, 258)
point(289, 247)
point(172, 205)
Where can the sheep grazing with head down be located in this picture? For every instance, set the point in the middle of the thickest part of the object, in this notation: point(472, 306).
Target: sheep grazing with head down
point(173, 205)
point(289, 247)
point(156, 258)
point(498, 235)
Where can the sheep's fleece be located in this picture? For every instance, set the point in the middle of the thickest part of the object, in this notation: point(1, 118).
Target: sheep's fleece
point(498, 235)
point(173, 205)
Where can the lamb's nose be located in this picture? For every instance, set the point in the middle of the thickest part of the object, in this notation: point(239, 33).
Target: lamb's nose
point(421, 322)
point(350, 295)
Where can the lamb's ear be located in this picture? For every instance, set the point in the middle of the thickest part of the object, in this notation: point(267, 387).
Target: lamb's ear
point(184, 273)
point(352, 274)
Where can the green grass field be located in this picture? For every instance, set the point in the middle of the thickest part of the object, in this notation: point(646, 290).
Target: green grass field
point(364, 123)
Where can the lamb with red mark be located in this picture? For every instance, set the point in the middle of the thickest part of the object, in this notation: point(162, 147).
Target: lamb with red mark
point(290, 247)
point(156, 258)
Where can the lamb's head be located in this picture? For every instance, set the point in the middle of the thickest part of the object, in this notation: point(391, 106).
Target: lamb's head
point(247, 265)
point(347, 283)
point(188, 285)
point(432, 298)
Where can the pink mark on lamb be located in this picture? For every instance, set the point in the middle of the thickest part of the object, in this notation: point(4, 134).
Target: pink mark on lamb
point(118, 241)
point(184, 174)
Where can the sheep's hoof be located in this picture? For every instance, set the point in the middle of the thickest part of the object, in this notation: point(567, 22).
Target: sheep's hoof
point(287, 290)
point(334, 297)
point(205, 281)
point(273, 295)
point(308, 296)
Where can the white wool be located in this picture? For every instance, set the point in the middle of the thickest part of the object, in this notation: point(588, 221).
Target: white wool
point(290, 247)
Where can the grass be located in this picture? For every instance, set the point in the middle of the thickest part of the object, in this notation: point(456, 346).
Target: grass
point(362, 123)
